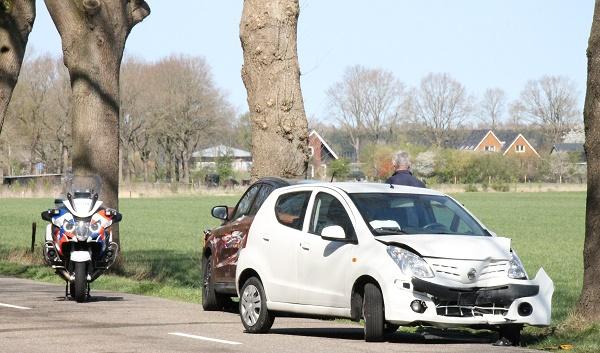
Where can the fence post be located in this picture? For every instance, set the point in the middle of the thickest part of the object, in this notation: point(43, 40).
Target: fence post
point(33, 227)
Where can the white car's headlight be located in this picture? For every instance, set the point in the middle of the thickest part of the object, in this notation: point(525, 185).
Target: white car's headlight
point(516, 269)
point(410, 264)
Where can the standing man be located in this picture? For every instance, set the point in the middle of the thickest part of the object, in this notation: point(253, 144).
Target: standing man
point(402, 174)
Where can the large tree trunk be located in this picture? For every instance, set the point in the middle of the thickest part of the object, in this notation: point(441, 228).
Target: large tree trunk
point(272, 78)
point(93, 34)
point(16, 21)
point(589, 302)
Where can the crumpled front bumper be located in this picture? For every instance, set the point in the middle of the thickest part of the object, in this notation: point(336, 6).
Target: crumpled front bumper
point(513, 302)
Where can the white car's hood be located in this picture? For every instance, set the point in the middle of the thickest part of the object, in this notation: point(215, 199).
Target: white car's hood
point(460, 247)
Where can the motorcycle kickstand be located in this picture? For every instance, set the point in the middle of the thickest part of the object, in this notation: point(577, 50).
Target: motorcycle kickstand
point(67, 291)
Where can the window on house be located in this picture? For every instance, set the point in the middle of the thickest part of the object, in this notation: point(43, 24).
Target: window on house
point(520, 148)
point(490, 148)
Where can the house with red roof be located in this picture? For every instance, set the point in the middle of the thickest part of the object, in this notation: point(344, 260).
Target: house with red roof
point(509, 143)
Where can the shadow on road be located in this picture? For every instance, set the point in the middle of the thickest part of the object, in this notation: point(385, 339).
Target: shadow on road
point(101, 298)
point(421, 335)
point(93, 298)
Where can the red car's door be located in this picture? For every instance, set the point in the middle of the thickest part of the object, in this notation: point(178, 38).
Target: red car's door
point(230, 237)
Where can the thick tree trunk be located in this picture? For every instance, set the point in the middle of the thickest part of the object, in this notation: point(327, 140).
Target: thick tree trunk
point(93, 34)
point(272, 78)
point(589, 302)
point(16, 21)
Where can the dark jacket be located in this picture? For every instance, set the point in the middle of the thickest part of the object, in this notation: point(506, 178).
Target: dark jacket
point(405, 177)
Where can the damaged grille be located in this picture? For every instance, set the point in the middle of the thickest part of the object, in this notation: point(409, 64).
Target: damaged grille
point(457, 309)
point(473, 301)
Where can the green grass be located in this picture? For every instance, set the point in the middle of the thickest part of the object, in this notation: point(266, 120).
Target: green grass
point(161, 239)
point(547, 230)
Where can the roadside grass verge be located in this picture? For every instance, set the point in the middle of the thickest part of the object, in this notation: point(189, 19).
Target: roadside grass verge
point(162, 239)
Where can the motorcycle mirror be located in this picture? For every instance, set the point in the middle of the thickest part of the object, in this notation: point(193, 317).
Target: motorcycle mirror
point(47, 215)
point(114, 215)
point(117, 217)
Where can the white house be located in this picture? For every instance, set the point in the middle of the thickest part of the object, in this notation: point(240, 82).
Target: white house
point(241, 160)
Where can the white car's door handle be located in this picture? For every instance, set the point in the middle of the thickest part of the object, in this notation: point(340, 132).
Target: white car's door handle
point(266, 238)
point(305, 246)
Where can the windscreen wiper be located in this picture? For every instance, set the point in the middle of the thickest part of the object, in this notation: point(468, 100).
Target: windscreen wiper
point(389, 231)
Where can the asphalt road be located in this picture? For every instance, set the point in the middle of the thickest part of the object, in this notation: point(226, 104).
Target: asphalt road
point(35, 317)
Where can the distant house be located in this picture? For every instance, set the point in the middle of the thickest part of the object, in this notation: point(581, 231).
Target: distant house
point(574, 149)
point(321, 154)
point(241, 160)
point(509, 143)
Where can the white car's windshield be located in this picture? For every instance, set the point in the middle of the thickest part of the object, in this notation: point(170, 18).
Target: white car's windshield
point(390, 213)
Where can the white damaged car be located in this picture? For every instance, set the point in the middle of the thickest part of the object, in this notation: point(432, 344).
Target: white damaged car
point(391, 255)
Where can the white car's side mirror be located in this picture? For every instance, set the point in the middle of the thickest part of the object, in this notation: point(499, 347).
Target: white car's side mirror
point(333, 233)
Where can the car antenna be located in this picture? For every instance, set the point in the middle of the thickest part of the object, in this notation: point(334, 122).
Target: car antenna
point(332, 176)
point(391, 186)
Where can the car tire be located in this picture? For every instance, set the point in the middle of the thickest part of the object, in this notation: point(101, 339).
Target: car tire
point(509, 335)
point(373, 313)
point(211, 300)
point(254, 314)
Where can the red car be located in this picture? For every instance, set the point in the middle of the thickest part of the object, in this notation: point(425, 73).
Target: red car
point(222, 244)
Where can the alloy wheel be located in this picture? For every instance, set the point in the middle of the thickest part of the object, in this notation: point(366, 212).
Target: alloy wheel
point(251, 305)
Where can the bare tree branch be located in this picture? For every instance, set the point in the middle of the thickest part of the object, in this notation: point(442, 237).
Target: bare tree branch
point(440, 104)
point(492, 107)
point(551, 102)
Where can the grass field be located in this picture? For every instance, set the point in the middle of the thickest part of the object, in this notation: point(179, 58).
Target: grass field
point(161, 239)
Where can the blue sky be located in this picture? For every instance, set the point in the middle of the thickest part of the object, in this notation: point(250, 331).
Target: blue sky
point(482, 43)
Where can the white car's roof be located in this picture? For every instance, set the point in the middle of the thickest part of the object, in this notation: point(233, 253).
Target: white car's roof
point(360, 187)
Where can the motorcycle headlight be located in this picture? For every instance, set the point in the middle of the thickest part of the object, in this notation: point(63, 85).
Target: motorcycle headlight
point(516, 269)
point(410, 264)
point(82, 230)
point(68, 226)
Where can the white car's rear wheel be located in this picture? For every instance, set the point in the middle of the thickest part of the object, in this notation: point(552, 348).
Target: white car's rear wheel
point(253, 307)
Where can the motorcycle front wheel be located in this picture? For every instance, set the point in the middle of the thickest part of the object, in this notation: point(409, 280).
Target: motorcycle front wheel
point(79, 285)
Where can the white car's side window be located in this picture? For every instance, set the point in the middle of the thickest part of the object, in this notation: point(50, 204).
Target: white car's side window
point(329, 211)
point(290, 209)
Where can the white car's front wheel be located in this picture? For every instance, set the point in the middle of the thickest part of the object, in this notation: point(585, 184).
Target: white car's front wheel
point(255, 316)
point(373, 313)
